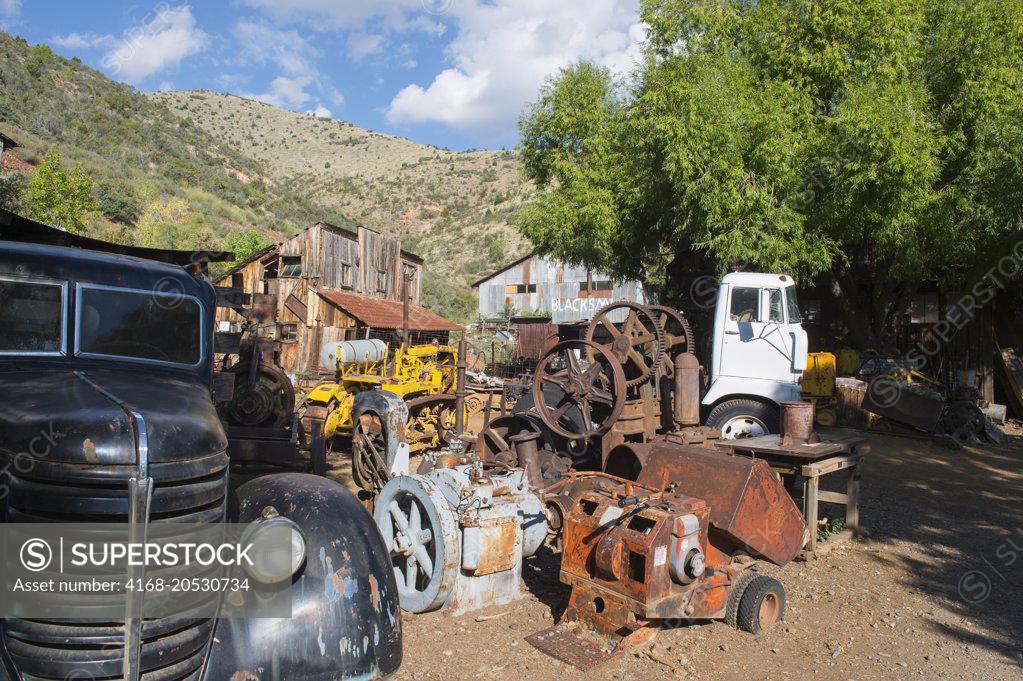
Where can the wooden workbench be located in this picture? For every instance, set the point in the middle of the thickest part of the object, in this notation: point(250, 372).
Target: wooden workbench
point(811, 462)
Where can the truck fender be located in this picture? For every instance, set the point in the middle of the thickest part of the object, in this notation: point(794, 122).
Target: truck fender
point(346, 616)
point(393, 413)
point(730, 387)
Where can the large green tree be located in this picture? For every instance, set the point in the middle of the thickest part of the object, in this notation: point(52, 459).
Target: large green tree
point(876, 142)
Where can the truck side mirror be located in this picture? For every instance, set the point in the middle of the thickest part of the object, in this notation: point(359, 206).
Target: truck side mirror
point(799, 352)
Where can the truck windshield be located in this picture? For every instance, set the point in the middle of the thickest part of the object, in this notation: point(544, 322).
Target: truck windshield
point(31, 317)
point(139, 325)
point(790, 302)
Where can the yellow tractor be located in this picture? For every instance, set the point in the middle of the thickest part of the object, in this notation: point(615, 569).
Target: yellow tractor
point(422, 375)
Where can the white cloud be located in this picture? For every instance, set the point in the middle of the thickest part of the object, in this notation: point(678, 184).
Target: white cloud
point(287, 93)
point(361, 45)
point(81, 41)
point(295, 57)
point(503, 51)
point(262, 43)
point(161, 41)
point(10, 8)
point(320, 112)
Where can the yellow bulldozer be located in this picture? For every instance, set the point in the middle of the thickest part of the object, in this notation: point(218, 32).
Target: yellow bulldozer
point(423, 376)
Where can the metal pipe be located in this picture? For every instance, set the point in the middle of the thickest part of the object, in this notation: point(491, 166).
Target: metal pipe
point(460, 387)
point(528, 455)
point(687, 390)
point(404, 311)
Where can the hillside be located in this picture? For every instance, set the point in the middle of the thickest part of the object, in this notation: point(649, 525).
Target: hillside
point(453, 208)
point(194, 170)
point(190, 189)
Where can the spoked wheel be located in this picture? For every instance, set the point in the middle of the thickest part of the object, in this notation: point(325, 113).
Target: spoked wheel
point(638, 342)
point(595, 387)
point(421, 533)
point(369, 453)
point(678, 333)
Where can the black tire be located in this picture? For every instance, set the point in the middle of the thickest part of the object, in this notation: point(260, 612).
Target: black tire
point(763, 592)
point(735, 596)
point(762, 412)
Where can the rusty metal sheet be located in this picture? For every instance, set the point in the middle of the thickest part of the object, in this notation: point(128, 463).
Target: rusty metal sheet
point(748, 503)
point(561, 643)
point(897, 401)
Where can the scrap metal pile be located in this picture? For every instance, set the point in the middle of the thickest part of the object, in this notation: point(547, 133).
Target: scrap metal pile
point(605, 458)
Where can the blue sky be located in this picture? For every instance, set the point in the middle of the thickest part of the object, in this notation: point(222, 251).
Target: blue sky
point(454, 73)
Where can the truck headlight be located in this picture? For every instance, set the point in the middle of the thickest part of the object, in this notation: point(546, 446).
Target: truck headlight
point(278, 549)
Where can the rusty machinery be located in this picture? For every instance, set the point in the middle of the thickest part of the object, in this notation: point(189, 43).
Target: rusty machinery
point(429, 378)
point(457, 535)
point(654, 524)
point(255, 398)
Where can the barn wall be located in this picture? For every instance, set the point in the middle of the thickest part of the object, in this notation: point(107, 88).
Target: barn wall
point(325, 252)
point(561, 291)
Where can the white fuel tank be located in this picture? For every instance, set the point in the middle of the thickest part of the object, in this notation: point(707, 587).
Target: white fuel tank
point(337, 353)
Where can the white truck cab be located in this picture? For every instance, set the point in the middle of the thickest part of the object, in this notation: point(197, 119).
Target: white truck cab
point(759, 354)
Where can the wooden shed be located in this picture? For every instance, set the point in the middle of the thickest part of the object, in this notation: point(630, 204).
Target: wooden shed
point(311, 272)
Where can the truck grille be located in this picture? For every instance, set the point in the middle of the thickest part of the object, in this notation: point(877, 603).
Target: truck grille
point(173, 649)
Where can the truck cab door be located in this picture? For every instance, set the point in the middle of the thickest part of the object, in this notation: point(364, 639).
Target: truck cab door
point(756, 342)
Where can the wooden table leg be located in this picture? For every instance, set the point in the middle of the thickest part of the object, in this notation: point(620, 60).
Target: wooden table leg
point(810, 509)
point(852, 501)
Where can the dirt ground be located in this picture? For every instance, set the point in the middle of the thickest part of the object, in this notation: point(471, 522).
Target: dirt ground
point(933, 589)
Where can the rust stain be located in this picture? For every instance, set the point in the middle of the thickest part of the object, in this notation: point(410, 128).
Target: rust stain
point(89, 450)
point(374, 593)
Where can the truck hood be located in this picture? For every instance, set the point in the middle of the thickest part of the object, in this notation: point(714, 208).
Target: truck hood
point(78, 417)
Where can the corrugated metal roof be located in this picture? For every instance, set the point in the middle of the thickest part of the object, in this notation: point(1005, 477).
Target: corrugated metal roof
point(385, 314)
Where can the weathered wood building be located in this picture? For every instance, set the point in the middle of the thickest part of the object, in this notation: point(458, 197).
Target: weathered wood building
point(334, 283)
point(540, 285)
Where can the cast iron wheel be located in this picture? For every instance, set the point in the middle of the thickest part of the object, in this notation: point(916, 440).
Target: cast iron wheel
point(743, 418)
point(735, 596)
point(678, 333)
point(268, 402)
point(639, 345)
point(595, 388)
point(762, 605)
point(369, 453)
point(421, 534)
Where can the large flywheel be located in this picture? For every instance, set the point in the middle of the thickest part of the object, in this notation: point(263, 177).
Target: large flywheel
point(579, 379)
point(420, 530)
point(637, 341)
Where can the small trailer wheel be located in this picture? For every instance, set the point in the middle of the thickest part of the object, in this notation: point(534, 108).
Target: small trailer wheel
point(762, 605)
point(735, 596)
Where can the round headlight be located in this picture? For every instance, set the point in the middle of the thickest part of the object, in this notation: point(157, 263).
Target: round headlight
point(278, 550)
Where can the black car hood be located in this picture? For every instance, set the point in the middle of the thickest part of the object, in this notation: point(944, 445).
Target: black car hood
point(77, 417)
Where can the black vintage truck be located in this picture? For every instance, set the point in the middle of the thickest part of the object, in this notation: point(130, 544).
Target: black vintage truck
point(106, 415)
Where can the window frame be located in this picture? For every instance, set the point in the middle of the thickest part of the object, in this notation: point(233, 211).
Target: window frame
point(283, 267)
point(64, 303)
point(758, 299)
point(766, 306)
point(80, 288)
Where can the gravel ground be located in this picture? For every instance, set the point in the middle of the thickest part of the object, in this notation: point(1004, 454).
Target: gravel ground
point(933, 589)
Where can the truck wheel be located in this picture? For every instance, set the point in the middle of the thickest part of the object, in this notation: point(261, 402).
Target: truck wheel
point(762, 605)
point(741, 418)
